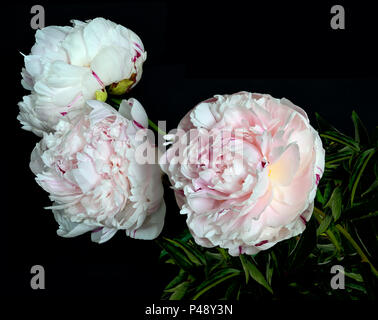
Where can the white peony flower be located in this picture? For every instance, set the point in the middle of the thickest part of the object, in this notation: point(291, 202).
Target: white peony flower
point(90, 170)
point(67, 65)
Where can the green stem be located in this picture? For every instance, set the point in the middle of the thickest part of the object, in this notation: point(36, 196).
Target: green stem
point(156, 128)
point(116, 101)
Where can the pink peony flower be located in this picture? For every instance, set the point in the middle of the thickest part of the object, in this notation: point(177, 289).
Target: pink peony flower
point(89, 168)
point(245, 169)
point(67, 65)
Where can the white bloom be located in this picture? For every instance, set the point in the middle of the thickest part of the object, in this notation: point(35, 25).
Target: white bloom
point(245, 170)
point(67, 65)
point(89, 168)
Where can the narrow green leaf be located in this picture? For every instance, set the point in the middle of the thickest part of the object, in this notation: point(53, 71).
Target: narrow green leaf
point(304, 245)
point(361, 135)
point(327, 192)
point(217, 278)
point(171, 261)
point(191, 253)
point(370, 281)
point(245, 268)
point(358, 169)
point(176, 254)
point(269, 270)
point(355, 287)
point(335, 203)
point(372, 187)
point(256, 275)
point(224, 253)
point(319, 196)
point(360, 210)
point(324, 225)
point(232, 291)
point(238, 295)
point(179, 291)
point(338, 156)
point(163, 253)
point(221, 263)
point(366, 216)
point(182, 275)
point(341, 139)
point(327, 252)
point(323, 124)
point(354, 276)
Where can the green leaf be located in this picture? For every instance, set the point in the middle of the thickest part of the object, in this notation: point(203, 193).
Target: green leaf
point(163, 253)
point(366, 216)
point(355, 287)
point(176, 254)
point(341, 139)
point(194, 255)
point(339, 156)
point(354, 276)
point(232, 291)
point(361, 135)
point(372, 187)
point(269, 270)
point(213, 256)
point(335, 203)
point(275, 262)
point(358, 169)
point(224, 253)
point(319, 196)
point(370, 281)
point(360, 210)
point(324, 225)
point(327, 252)
point(256, 275)
point(323, 124)
point(304, 245)
point(217, 278)
point(182, 275)
point(327, 191)
point(179, 291)
point(245, 268)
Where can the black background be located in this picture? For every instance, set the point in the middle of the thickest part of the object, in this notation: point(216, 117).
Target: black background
point(195, 49)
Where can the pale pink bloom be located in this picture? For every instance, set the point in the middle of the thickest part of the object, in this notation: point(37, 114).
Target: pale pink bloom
point(245, 171)
point(67, 65)
point(89, 168)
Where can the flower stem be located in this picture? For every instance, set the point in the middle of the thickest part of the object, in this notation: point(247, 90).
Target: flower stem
point(156, 128)
point(116, 101)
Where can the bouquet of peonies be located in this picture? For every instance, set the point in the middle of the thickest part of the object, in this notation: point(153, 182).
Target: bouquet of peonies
point(245, 169)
